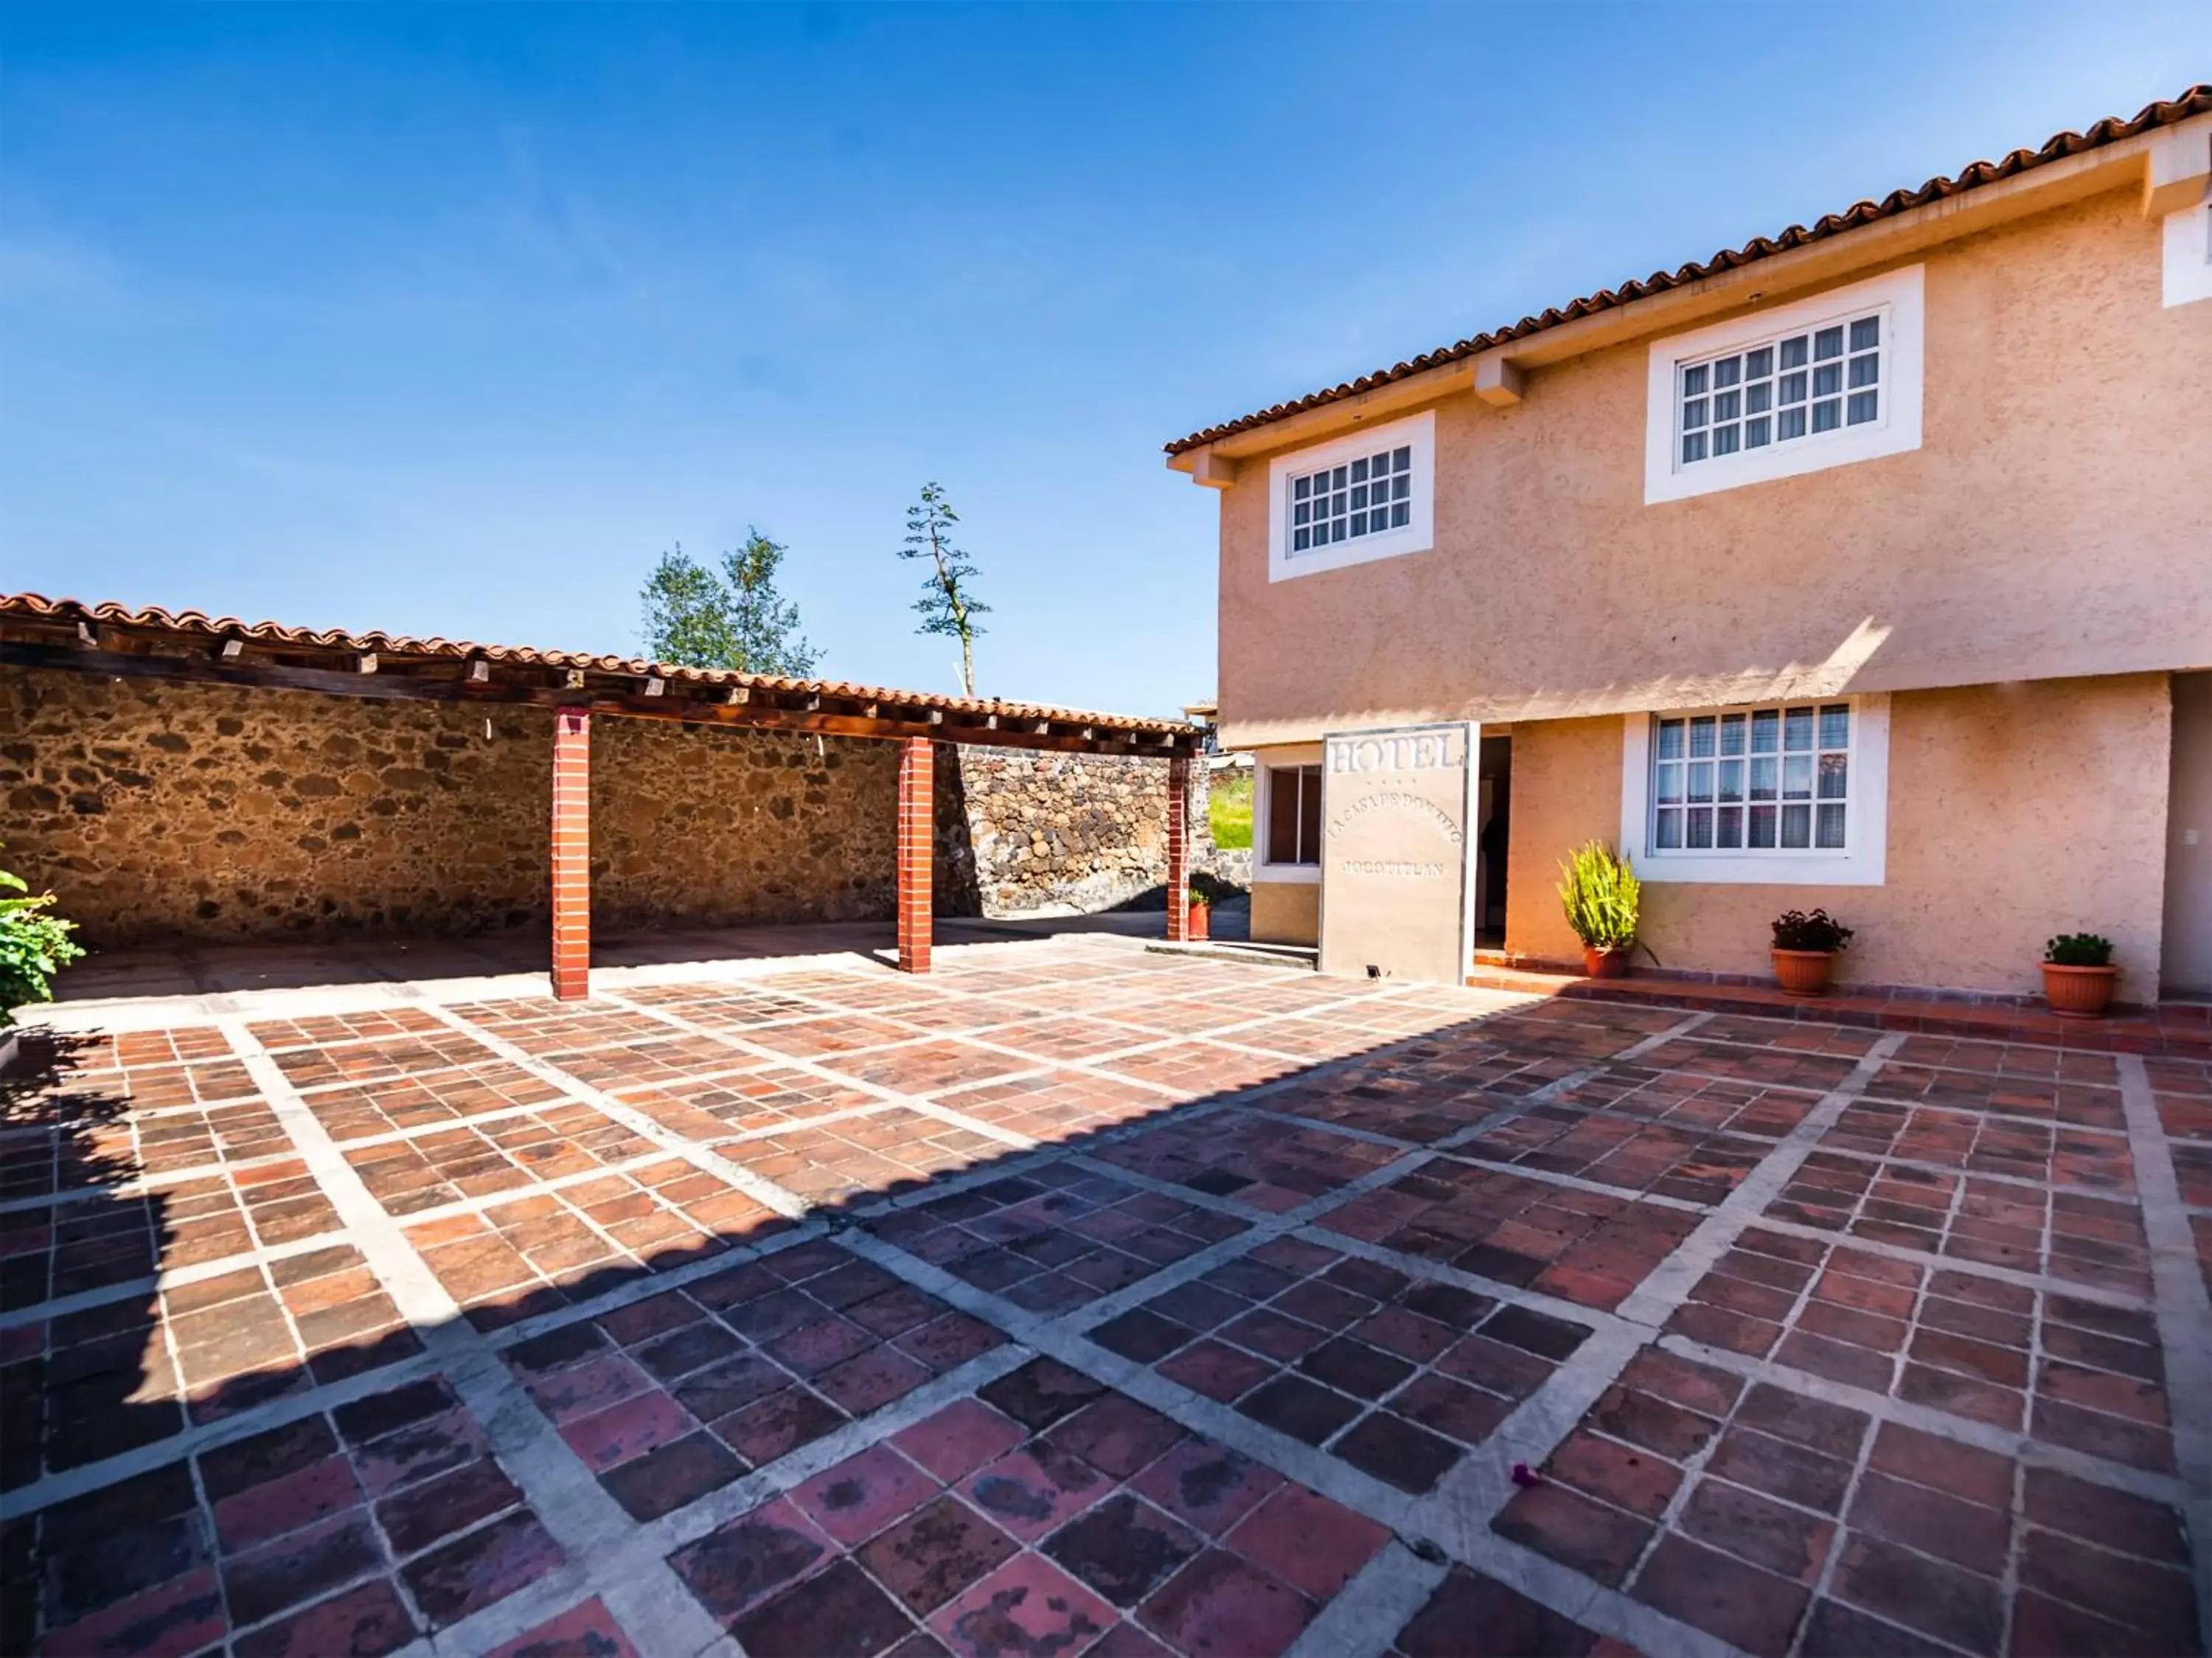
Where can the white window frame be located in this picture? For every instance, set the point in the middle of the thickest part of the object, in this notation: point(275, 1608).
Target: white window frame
point(1264, 765)
point(1863, 861)
point(2188, 256)
point(1417, 432)
point(1899, 297)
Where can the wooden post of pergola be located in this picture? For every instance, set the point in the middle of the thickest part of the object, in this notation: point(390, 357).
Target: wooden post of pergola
point(917, 846)
point(1178, 850)
point(112, 641)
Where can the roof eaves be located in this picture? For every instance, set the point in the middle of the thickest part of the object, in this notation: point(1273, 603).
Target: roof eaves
point(2197, 101)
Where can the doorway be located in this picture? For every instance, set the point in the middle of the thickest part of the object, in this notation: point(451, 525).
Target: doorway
point(1493, 820)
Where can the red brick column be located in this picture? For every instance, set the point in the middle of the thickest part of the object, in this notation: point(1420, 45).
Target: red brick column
point(1178, 849)
point(917, 839)
point(572, 853)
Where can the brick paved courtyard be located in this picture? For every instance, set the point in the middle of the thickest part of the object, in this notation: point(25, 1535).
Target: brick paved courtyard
point(1083, 1299)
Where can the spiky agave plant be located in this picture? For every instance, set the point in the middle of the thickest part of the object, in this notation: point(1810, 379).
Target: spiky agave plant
point(1602, 897)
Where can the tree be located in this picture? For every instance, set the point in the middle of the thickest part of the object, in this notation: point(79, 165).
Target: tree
point(729, 617)
point(946, 606)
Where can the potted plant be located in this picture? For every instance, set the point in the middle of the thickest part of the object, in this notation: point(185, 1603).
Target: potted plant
point(1805, 951)
point(33, 946)
point(1603, 902)
point(2078, 974)
point(1198, 919)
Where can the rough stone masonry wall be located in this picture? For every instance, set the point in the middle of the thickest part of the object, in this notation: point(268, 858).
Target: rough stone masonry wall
point(1046, 832)
point(716, 827)
point(169, 813)
point(161, 812)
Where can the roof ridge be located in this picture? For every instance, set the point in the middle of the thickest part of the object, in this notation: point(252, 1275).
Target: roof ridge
point(2193, 101)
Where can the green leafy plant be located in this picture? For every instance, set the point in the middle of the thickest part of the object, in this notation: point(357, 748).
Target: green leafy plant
point(2079, 950)
point(33, 946)
point(1603, 899)
point(1795, 931)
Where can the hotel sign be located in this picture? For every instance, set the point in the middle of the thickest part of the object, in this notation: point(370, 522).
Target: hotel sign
point(1397, 855)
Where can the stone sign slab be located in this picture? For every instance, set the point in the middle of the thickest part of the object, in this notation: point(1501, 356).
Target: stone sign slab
point(1397, 856)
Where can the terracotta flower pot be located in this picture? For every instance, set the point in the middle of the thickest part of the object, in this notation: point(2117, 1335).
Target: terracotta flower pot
point(2078, 992)
point(1198, 921)
point(1804, 972)
point(1604, 963)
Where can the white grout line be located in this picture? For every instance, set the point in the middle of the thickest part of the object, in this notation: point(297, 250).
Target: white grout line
point(1958, 1264)
point(2006, 1442)
point(764, 1193)
point(172, 1278)
point(1666, 1286)
point(1368, 1612)
point(647, 1598)
point(2184, 1318)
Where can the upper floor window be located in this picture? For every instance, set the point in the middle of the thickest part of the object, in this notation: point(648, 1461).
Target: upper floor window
point(1799, 385)
point(1358, 498)
point(1816, 383)
point(1369, 495)
point(2188, 256)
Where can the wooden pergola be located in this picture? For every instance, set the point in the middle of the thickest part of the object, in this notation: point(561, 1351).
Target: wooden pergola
point(187, 647)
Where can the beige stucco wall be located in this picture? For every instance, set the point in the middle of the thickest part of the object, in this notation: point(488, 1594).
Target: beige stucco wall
point(2054, 522)
point(2015, 812)
point(1286, 912)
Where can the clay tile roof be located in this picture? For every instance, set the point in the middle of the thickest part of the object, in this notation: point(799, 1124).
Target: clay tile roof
point(32, 606)
point(2195, 101)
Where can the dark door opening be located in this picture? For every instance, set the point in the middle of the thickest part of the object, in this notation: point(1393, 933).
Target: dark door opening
point(1493, 816)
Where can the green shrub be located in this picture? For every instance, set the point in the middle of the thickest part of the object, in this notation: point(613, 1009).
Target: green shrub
point(1229, 812)
point(2079, 950)
point(33, 946)
point(1603, 899)
point(1795, 931)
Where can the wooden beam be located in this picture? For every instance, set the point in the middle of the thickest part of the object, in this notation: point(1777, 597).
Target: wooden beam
point(431, 681)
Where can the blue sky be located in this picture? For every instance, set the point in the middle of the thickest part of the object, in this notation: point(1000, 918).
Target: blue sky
point(451, 318)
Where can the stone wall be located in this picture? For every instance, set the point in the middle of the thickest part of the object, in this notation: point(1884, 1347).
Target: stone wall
point(719, 827)
point(1021, 831)
point(161, 811)
point(167, 813)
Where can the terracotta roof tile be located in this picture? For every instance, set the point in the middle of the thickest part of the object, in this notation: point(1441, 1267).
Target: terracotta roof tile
point(36, 607)
point(2195, 101)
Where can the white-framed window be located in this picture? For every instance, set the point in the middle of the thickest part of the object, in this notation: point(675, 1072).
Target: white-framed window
point(1791, 793)
point(1286, 821)
point(2188, 256)
point(1816, 383)
point(1365, 495)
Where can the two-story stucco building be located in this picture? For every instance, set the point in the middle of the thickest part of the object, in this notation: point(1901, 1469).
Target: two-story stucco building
point(1867, 566)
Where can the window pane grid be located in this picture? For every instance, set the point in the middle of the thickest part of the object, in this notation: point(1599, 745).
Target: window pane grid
point(1822, 380)
point(1754, 780)
point(1353, 499)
